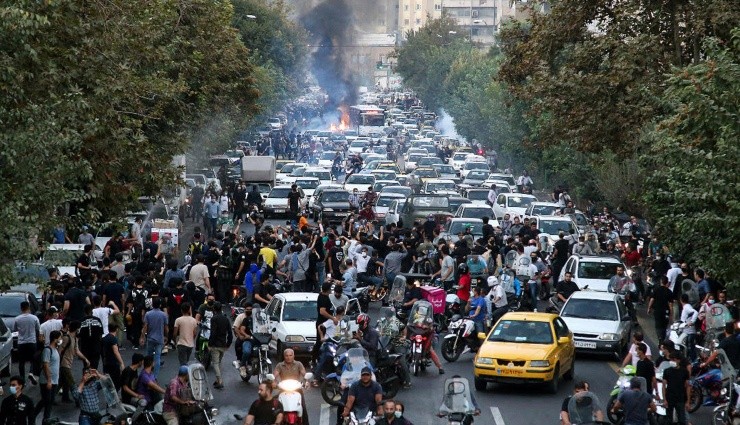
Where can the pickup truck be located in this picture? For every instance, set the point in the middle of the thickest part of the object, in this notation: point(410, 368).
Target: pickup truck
point(417, 208)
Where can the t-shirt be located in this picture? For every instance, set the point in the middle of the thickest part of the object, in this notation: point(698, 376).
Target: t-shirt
point(108, 342)
point(646, 369)
point(48, 327)
point(411, 294)
point(293, 198)
point(393, 262)
point(662, 299)
point(265, 412)
point(142, 386)
point(475, 303)
point(633, 351)
point(51, 356)
point(448, 266)
point(186, 326)
point(365, 395)
point(103, 313)
point(330, 329)
point(27, 326)
point(463, 292)
point(323, 302)
point(268, 256)
point(129, 378)
point(337, 257)
point(114, 292)
point(293, 371)
point(76, 298)
point(198, 275)
point(675, 379)
point(635, 407)
point(338, 302)
point(155, 320)
point(90, 334)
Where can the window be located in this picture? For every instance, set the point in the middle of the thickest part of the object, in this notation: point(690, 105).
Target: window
point(474, 13)
point(418, 7)
point(418, 21)
point(406, 7)
point(405, 21)
point(437, 7)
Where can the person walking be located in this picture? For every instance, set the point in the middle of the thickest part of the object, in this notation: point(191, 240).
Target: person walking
point(155, 332)
point(185, 331)
point(90, 337)
point(17, 408)
point(28, 327)
point(219, 341)
point(661, 305)
point(49, 378)
point(112, 361)
point(68, 351)
point(211, 212)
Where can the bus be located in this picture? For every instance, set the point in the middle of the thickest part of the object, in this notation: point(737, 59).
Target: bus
point(366, 119)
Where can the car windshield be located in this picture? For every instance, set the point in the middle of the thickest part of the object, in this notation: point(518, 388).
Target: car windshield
point(359, 144)
point(308, 184)
point(456, 202)
point(335, 197)
point(432, 202)
point(477, 175)
point(361, 179)
point(591, 270)
point(403, 190)
point(435, 186)
point(476, 166)
point(385, 175)
point(544, 210)
point(553, 227)
point(429, 160)
point(460, 226)
point(590, 309)
point(10, 305)
point(288, 168)
point(522, 332)
point(415, 157)
point(61, 257)
point(281, 192)
point(426, 173)
point(298, 172)
point(520, 201)
point(299, 311)
point(477, 213)
point(460, 156)
point(445, 169)
point(385, 201)
point(477, 195)
point(319, 174)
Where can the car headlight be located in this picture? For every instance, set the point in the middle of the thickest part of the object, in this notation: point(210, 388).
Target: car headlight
point(294, 338)
point(484, 360)
point(609, 337)
point(539, 363)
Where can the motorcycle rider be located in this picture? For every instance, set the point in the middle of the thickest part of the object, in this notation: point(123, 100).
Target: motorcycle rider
point(173, 399)
point(689, 316)
point(364, 393)
point(290, 368)
point(425, 328)
point(266, 410)
point(367, 336)
point(636, 404)
point(477, 311)
point(564, 289)
point(390, 327)
point(463, 285)
point(391, 416)
point(327, 330)
point(410, 296)
point(730, 344)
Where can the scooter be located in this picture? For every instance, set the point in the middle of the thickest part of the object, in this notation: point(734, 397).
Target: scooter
point(458, 405)
point(678, 336)
point(260, 364)
point(461, 337)
point(360, 416)
point(290, 398)
point(623, 384)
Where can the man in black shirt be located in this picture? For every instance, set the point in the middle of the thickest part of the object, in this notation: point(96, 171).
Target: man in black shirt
point(677, 389)
point(264, 291)
point(566, 287)
point(560, 252)
point(17, 408)
point(75, 301)
point(294, 198)
point(646, 368)
point(324, 310)
point(129, 379)
point(662, 304)
point(411, 295)
point(730, 344)
point(266, 410)
point(90, 336)
point(336, 259)
point(487, 229)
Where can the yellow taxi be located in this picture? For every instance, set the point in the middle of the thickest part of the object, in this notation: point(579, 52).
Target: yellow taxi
point(525, 347)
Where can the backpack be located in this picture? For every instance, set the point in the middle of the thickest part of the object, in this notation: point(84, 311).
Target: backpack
point(138, 298)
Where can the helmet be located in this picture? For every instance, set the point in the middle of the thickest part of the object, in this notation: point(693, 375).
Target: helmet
point(462, 268)
point(492, 281)
point(363, 320)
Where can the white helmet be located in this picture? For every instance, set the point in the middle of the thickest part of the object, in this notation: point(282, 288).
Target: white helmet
point(492, 281)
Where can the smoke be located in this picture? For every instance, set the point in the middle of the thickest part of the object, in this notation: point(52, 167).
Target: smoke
point(330, 27)
point(446, 125)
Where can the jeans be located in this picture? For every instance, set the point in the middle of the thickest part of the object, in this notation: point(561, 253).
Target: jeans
point(321, 272)
point(155, 348)
point(690, 346)
point(680, 411)
point(479, 326)
point(211, 226)
point(47, 400)
point(533, 291)
point(390, 277)
point(183, 354)
point(86, 419)
point(370, 280)
point(324, 357)
point(217, 354)
point(246, 352)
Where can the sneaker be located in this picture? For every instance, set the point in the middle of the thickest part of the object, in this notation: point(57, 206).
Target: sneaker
point(243, 371)
point(441, 371)
point(236, 364)
point(165, 350)
point(407, 385)
point(32, 379)
point(218, 386)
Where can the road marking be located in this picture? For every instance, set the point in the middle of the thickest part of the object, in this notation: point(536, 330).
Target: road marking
point(325, 417)
point(497, 418)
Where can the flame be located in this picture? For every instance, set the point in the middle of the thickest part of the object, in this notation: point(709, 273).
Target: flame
point(342, 126)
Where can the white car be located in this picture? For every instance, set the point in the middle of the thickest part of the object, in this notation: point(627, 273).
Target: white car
point(474, 165)
point(276, 202)
point(552, 225)
point(502, 186)
point(293, 176)
point(384, 174)
point(380, 184)
point(458, 160)
point(358, 146)
point(599, 321)
point(360, 182)
point(478, 197)
point(292, 319)
point(403, 190)
point(440, 186)
point(326, 160)
point(593, 270)
point(323, 174)
point(542, 208)
point(476, 211)
point(287, 169)
point(457, 225)
point(64, 256)
point(308, 185)
point(514, 204)
point(383, 203)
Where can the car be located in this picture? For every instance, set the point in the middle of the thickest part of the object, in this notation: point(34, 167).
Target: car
point(291, 316)
point(326, 159)
point(384, 175)
point(501, 185)
point(275, 123)
point(514, 204)
point(475, 211)
point(6, 349)
point(583, 223)
point(440, 186)
point(64, 256)
point(475, 177)
point(360, 182)
point(541, 208)
point(404, 190)
point(10, 308)
point(358, 146)
point(308, 185)
point(599, 321)
point(458, 159)
point(430, 161)
point(425, 173)
point(320, 189)
point(419, 207)
point(458, 225)
point(473, 163)
point(331, 204)
point(594, 271)
point(456, 201)
point(383, 203)
point(508, 178)
point(277, 201)
point(323, 174)
point(287, 169)
point(526, 347)
point(280, 163)
point(447, 172)
point(478, 196)
point(552, 225)
point(293, 176)
point(412, 159)
point(380, 184)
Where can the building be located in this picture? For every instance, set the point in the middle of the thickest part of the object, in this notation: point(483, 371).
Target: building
point(414, 14)
point(482, 19)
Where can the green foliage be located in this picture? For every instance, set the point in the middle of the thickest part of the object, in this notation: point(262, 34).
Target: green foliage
point(95, 98)
point(693, 189)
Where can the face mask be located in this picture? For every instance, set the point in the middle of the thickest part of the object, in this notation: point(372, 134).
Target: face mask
point(210, 303)
point(685, 270)
point(59, 341)
point(398, 413)
point(364, 255)
point(13, 389)
point(711, 302)
point(324, 239)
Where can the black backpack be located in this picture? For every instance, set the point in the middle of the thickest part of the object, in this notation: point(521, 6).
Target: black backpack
point(138, 298)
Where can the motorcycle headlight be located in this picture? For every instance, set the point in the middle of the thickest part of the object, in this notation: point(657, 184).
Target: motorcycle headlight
point(628, 272)
point(295, 338)
point(608, 337)
point(539, 363)
point(624, 381)
point(214, 412)
point(485, 360)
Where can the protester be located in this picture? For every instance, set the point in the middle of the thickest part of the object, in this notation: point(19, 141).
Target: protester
point(17, 408)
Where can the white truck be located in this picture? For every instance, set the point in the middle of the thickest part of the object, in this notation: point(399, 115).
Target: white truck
point(259, 170)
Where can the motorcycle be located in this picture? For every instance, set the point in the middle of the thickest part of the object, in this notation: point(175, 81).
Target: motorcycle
point(395, 296)
point(728, 413)
point(584, 408)
point(710, 382)
point(678, 336)
point(387, 369)
point(462, 337)
point(260, 364)
point(457, 402)
point(361, 416)
point(335, 383)
point(202, 352)
point(623, 384)
point(290, 398)
point(627, 291)
point(420, 326)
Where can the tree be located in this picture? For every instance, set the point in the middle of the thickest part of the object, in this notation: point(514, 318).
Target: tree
point(95, 99)
point(693, 188)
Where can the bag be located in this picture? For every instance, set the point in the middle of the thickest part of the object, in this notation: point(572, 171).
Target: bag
point(36, 364)
point(138, 298)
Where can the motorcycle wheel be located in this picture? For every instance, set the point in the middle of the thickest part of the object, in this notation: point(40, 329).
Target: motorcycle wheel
point(204, 357)
point(449, 351)
point(697, 397)
point(262, 376)
point(613, 417)
point(331, 392)
point(720, 418)
point(415, 368)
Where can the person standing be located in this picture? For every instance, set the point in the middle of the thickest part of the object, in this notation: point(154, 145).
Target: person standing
point(112, 361)
point(661, 304)
point(155, 333)
point(53, 323)
point(27, 325)
point(103, 313)
point(69, 350)
point(87, 396)
point(689, 316)
point(91, 334)
point(266, 409)
point(219, 341)
point(211, 212)
point(49, 378)
point(294, 201)
point(17, 408)
point(676, 389)
point(185, 331)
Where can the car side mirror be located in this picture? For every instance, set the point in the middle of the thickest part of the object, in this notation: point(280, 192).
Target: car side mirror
point(564, 340)
point(481, 335)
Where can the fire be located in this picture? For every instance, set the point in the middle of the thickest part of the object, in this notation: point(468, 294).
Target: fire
point(342, 125)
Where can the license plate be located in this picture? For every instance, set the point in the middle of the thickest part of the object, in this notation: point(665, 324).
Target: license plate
point(506, 371)
point(585, 344)
point(341, 214)
point(279, 211)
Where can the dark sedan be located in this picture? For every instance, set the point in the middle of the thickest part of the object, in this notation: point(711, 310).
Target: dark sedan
point(332, 205)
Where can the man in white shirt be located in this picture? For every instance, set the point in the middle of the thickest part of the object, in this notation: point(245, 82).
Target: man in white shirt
point(524, 180)
point(54, 323)
point(104, 312)
point(689, 316)
point(632, 357)
point(496, 299)
point(199, 274)
point(492, 195)
point(326, 330)
point(673, 274)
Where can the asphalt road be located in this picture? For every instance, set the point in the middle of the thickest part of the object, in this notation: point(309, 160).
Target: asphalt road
point(500, 404)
